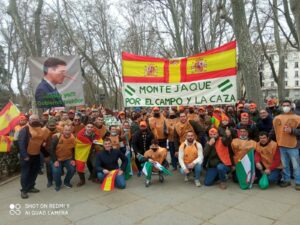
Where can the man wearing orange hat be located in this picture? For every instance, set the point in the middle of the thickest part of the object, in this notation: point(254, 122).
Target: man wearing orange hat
point(158, 126)
point(121, 117)
point(171, 121)
point(182, 127)
point(71, 114)
point(272, 109)
point(251, 126)
point(192, 115)
point(253, 112)
point(217, 156)
point(141, 142)
point(204, 119)
point(44, 118)
point(63, 121)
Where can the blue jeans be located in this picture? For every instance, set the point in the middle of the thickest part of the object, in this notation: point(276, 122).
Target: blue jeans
point(174, 159)
point(197, 171)
point(58, 170)
point(290, 155)
point(119, 181)
point(213, 173)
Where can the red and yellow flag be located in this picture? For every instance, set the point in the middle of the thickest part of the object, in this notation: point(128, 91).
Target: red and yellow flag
point(144, 69)
point(82, 151)
point(108, 183)
point(9, 118)
point(5, 143)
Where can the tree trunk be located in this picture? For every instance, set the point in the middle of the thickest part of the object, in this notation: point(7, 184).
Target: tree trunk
point(282, 93)
point(295, 7)
point(196, 21)
point(246, 53)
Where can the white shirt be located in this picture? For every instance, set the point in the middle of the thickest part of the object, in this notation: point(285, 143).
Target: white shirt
point(181, 154)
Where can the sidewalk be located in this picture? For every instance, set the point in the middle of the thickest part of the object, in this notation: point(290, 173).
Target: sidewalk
point(173, 202)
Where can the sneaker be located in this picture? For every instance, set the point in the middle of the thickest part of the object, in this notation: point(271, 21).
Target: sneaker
point(49, 184)
point(197, 183)
point(57, 188)
point(297, 187)
point(24, 195)
point(285, 184)
point(68, 185)
point(186, 178)
point(222, 185)
point(34, 190)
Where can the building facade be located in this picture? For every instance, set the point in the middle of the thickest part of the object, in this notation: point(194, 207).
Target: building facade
point(292, 75)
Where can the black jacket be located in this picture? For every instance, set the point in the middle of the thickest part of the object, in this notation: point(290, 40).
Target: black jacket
point(141, 141)
point(108, 160)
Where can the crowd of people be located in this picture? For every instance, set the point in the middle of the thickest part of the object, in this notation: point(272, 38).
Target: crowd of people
point(203, 141)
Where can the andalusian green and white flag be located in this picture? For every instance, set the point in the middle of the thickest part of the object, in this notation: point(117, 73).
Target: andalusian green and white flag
point(162, 168)
point(128, 170)
point(147, 170)
point(245, 170)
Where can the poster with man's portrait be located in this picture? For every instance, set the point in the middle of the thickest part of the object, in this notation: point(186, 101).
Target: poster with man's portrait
point(56, 81)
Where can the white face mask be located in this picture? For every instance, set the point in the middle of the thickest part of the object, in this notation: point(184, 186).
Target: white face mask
point(286, 109)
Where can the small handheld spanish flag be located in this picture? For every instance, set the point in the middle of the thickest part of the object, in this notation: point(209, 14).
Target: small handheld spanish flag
point(109, 181)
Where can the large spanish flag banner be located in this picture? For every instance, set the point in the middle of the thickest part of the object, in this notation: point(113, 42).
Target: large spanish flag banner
point(9, 118)
point(205, 78)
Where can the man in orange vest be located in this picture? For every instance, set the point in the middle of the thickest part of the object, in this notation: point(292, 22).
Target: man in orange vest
point(267, 158)
point(183, 126)
point(31, 140)
point(157, 125)
point(156, 154)
point(62, 155)
point(286, 128)
point(217, 156)
point(49, 130)
point(192, 115)
point(190, 158)
point(114, 137)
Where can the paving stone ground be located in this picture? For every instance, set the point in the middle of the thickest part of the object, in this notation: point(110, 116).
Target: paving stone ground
point(173, 202)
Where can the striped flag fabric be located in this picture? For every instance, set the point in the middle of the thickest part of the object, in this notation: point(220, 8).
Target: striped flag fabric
point(160, 167)
point(245, 170)
point(128, 170)
point(82, 151)
point(202, 79)
point(147, 170)
point(5, 143)
point(108, 183)
point(9, 118)
point(216, 120)
point(209, 64)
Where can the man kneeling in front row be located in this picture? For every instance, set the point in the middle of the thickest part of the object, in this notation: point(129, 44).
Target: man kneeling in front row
point(190, 157)
point(107, 161)
point(267, 159)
